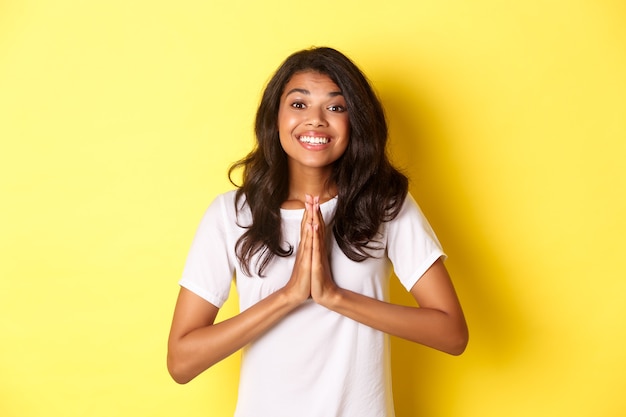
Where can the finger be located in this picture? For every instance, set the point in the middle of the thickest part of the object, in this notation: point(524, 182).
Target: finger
point(304, 236)
point(309, 204)
point(319, 248)
point(318, 218)
point(315, 204)
point(307, 216)
point(320, 272)
point(306, 245)
point(316, 248)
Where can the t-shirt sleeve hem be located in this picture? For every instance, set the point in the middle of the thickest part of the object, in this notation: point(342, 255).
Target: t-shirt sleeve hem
point(202, 293)
point(419, 272)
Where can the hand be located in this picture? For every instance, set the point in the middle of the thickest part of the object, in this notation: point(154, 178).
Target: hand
point(323, 287)
point(299, 285)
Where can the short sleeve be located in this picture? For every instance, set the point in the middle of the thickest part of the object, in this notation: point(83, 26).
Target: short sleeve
point(412, 245)
point(209, 267)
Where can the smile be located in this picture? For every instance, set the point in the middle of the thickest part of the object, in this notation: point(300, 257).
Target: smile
point(314, 140)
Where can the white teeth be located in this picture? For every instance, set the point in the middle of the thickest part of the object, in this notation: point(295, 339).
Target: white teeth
point(313, 140)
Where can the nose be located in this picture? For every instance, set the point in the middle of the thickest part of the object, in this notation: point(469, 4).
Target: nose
point(316, 117)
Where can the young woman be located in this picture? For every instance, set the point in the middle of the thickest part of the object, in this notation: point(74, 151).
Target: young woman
point(311, 237)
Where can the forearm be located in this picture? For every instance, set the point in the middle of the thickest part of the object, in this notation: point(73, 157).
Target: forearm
point(435, 328)
point(192, 353)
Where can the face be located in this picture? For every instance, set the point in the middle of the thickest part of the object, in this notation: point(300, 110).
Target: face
point(313, 122)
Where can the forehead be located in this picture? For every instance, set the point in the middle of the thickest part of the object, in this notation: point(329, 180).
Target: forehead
point(311, 80)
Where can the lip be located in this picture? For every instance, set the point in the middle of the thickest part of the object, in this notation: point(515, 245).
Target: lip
point(313, 134)
point(314, 146)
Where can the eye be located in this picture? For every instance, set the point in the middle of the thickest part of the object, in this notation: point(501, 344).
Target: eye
point(337, 108)
point(298, 105)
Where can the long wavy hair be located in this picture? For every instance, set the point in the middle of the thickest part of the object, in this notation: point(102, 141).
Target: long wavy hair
point(370, 190)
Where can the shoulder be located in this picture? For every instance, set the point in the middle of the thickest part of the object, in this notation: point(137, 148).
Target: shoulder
point(227, 196)
point(227, 202)
point(408, 207)
point(222, 208)
point(233, 208)
point(410, 214)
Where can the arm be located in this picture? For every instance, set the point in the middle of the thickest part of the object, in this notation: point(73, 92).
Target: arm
point(196, 343)
point(438, 322)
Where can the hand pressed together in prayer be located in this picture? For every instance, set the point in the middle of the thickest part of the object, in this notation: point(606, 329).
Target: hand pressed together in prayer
point(311, 276)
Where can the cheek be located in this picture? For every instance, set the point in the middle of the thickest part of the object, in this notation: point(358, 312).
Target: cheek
point(285, 121)
point(344, 125)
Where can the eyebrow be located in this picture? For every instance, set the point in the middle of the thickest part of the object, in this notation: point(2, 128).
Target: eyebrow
point(308, 93)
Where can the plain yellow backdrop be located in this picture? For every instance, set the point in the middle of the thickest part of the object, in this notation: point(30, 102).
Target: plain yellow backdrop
point(119, 119)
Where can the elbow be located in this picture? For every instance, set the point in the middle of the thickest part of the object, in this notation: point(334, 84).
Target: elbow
point(457, 348)
point(179, 378)
point(177, 370)
point(458, 342)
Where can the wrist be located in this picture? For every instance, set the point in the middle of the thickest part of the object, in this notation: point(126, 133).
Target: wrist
point(290, 297)
point(332, 298)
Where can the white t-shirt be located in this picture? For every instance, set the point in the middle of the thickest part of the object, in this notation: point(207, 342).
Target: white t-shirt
point(314, 362)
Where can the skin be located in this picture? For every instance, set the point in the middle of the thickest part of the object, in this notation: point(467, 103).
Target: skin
point(196, 342)
point(312, 105)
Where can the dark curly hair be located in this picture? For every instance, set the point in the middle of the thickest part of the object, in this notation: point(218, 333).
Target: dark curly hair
point(370, 190)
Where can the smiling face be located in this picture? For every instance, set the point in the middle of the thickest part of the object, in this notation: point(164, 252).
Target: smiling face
point(313, 122)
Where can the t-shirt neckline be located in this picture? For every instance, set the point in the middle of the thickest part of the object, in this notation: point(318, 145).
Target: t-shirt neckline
point(326, 208)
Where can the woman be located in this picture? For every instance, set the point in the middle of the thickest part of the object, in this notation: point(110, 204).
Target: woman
point(312, 236)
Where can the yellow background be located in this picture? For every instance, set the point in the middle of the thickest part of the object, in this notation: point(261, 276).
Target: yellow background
point(118, 120)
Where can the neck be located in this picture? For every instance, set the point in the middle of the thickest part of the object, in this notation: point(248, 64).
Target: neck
point(312, 182)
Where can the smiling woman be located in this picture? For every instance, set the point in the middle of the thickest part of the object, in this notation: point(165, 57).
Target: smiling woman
point(314, 128)
point(311, 236)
